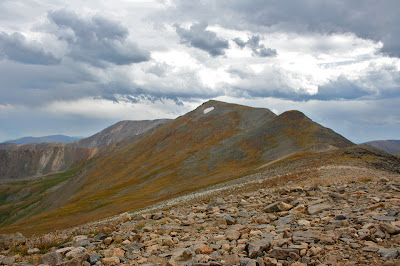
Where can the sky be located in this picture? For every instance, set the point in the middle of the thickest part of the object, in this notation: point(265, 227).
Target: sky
point(75, 67)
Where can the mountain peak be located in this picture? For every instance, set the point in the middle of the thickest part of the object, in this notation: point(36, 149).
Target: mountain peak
point(293, 115)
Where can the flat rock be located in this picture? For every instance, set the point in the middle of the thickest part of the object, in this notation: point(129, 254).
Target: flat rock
point(52, 258)
point(389, 253)
point(384, 218)
point(256, 248)
point(303, 237)
point(111, 261)
point(317, 208)
point(283, 253)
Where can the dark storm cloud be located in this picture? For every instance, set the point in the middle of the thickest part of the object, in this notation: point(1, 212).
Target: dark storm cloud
point(375, 20)
point(257, 48)
point(198, 36)
point(16, 47)
point(96, 40)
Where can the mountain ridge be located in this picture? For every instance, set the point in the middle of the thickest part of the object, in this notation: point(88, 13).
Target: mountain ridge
point(390, 146)
point(44, 139)
point(214, 143)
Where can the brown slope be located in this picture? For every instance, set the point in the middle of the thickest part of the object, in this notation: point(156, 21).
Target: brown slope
point(31, 160)
point(193, 151)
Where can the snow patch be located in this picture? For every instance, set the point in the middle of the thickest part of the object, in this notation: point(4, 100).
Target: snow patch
point(208, 110)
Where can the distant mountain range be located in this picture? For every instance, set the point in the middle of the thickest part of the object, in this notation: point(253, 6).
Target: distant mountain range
point(390, 146)
point(45, 139)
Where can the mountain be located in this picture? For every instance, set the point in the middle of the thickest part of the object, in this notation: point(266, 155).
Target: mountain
point(46, 139)
point(214, 143)
point(390, 146)
point(119, 132)
point(36, 159)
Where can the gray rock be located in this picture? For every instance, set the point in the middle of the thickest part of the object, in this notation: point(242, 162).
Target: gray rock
point(183, 254)
point(134, 247)
point(391, 229)
point(285, 221)
point(340, 217)
point(52, 258)
point(32, 251)
point(284, 253)
point(256, 248)
point(389, 253)
point(317, 208)
point(94, 258)
point(273, 207)
point(76, 252)
point(229, 220)
point(384, 218)
point(303, 237)
point(100, 236)
point(247, 262)
point(8, 260)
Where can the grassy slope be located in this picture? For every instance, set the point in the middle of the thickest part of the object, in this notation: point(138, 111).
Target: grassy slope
point(193, 151)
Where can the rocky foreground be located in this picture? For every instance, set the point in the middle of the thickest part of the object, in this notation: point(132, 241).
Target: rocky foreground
point(349, 223)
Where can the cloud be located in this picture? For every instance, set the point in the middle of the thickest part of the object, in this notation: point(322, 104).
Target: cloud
point(198, 36)
point(17, 48)
point(96, 40)
point(257, 48)
point(367, 19)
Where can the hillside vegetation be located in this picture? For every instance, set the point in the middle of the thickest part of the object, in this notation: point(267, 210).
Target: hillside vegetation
point(212, 144)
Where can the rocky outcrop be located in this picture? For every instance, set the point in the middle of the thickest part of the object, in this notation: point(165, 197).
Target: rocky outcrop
point(347, 223)
point(36, 160)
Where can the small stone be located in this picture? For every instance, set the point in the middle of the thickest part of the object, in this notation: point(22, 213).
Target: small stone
point(284, 206)
point(247, 262)
point(299, 209)
point(203, 249)
point(285, 221)
point(52, 258)
point(256, 248)
point(167, 241)
point(110, 261)
point(229, 220)
point(108, 240)
point(76, 252)
point(65, 250)
point(32, 251)
point(389, 253)
point(389, 228)
point(8, 260)
point(340, 217)
point(232, 235)
point(283, 253)
point(93, 258)
point(303, 237)
point(315, 251)
point(100, 236)
point(317, 208)
point(182, 254)
point(384, 218)
point(273, 207)
point(126, 242)
point(124, 217)
point(79, 238)
point(152, 249)
point(303, 222)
